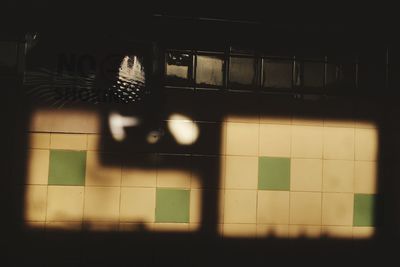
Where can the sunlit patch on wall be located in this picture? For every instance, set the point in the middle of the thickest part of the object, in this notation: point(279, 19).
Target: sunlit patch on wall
point(299, 177)
point(183, 129)
point(275, 178)
point(68, 187)
point(118, 123)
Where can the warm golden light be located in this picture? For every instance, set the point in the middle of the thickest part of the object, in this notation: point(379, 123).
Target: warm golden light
point(183, 129)
point(279, 177)
point(118, 123)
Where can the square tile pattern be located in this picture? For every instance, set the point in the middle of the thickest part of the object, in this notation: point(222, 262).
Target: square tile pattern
point(284, 180)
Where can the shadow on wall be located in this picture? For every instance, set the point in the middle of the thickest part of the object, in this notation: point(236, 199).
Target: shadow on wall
point(225, 227)
point(238, 133)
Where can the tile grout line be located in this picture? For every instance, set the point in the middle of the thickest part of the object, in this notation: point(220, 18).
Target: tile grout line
point(322, 177)
point(84, 186)
point(258, 160)
point(290, 176)
point(47, 185)
point(354, 179)
point(120, 195)
point(321, 192)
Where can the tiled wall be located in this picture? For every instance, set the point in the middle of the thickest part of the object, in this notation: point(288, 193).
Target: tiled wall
point(283, 177)
point(300, 177)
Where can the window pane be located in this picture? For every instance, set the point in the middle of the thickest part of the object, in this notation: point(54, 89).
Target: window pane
point(277, 74)
point(209, 70)
point(313, 74)
point(341, 75)
point(178, 67)
point(8, 55)
point(242, 71)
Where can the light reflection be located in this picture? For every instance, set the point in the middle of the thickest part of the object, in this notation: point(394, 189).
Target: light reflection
point(131, 77)
point(117, 124)
point(153, 137)
point(183, 129)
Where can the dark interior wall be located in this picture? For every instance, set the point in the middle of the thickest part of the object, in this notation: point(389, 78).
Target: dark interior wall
point(197, 250)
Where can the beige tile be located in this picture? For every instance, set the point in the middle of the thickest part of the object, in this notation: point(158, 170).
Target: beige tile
point(306, 142)
point(338, 176)
point(305, 208)
point(337, 231)
point(307, 120)
point(338, 143)
point(195, 205)
point(240, 206)
point(337, 209)
point(366, 147)
point(241, 172)
point(136, 176)
point(304, 231)
point(39, 140)
point(65, 203)
point(170, 227)
point(35, 203)
point(93, 141)
point(242, 139)
point(38, 166)
point(365, 177)
point(72, 120)
point(175, 171)
point(101, 204)
point(343, 122)
point(245, 230)
point(68, 141)
point(275, 119)
point(41, 120)
point(275, 140)
point(173, 178)
point(305, 175)
point(273, 207)
point(64, 226)
point(139, 170)
point(137, 204)
point(98, 174)
point(363, 232)
point(277, 231)
point(100, 226)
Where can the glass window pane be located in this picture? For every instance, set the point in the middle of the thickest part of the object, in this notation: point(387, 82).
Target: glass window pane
point(178, 67)
point(8, 55)
point(242, 71)
point(341, 75)
point(313, 74)
point(277, 73)
point(210, 70)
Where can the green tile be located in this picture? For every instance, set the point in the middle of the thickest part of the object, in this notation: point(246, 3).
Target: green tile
point(273, 173)
point(364, 210)
point(172, 205)
point(67, 167)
